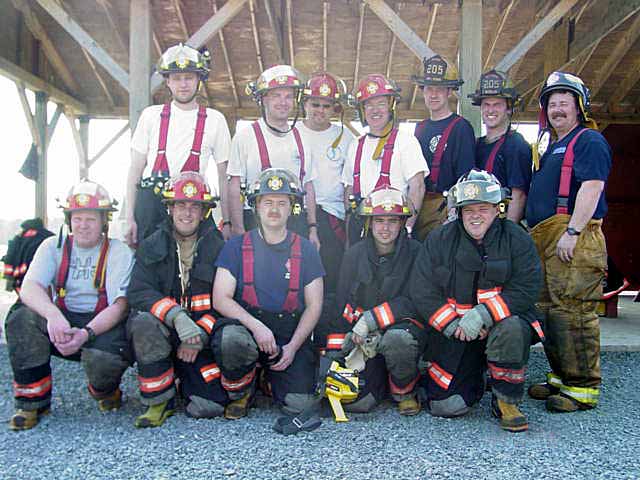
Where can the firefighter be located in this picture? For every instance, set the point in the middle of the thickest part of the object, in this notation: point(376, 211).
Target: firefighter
point(374, 307)
point(272, 142)
point(564, 210)
point(447, 140)
point(172, 317)
point(475, 283)
point(502, 151)
point(328, 144)
point(178, 136)
point(88, 273)
point(385, 156)
point(269, 288)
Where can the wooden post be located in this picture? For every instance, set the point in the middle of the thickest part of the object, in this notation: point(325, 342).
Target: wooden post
point(139, 59)
point(84, 139)
point(41, 129)
point(470, 59)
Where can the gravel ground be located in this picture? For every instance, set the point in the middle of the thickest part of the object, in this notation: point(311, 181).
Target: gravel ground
point(77, 442)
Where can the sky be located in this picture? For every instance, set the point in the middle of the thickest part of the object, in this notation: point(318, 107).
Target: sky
point(110, 170)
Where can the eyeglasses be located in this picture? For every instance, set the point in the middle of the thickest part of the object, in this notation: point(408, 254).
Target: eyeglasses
point(324, 106)
point(379, 105)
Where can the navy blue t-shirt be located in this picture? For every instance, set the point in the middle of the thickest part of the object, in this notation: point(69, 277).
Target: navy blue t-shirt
point(459, 153)
point(512, 165)
point(592, 161)
point(271, 269)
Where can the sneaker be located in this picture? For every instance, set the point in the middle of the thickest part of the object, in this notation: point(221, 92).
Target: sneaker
point(156, 415)
point(511, 418)
point(409, 407)
point(112, 402)
point(27, 419)
point(562, 403)
point(237, 409)
point(542, 391)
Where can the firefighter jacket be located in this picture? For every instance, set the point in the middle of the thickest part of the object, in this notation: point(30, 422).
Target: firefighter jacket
point(155, 282)
point(370, 282)
point(453, 273)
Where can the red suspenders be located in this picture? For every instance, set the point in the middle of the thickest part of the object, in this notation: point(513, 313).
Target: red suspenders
point(494, 152)
point(437, 156)
point(264, 152)
point(99, 279)
point(161, 167)
point(385, 168)
point(249, 295)
point(566, 170)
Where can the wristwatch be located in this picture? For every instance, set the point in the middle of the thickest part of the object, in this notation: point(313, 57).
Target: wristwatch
point(92, 334)
point(572, 231)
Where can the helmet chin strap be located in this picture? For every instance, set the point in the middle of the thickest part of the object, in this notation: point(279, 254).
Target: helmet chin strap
point(283, 132)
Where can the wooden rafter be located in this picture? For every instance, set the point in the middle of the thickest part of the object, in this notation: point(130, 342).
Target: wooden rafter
point(180, 17)
point(81, 148)
point(53, 123)
point(432, 23)
point(108, 145)
point(256, 38)
point(277, 31)
point(325, 16)
point(586, 58)
point(356, 68)
point(292, 55)
point(28, 115)
point(38, 31)
point(392, 45)
point(225, 54)
point(630, 80)
point(120, 37)
point(498, 31)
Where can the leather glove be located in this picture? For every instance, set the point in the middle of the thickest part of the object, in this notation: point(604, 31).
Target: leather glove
point(365, 325)
point(476, 318)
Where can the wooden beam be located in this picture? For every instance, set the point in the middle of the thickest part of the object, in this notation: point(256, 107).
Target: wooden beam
point(26, 108)
point(277, 32)
point(432, 22)
point(139, 58)
point(325, 16)
point(86, 41)
point(53, 123)
point(470, 59)
point(400, 29)
point(392, 45)
point(108, 145)
point(41, 182)
point(586, 57)
point(615, 56)
point(35, 83)
point(292, 54)
point(38, 31)
point(256, 38)
point(623, 88)
point(356, 68)
point(180, 16)
point(113, 24)
point(531, 38)
point(227, 62)
point(497, 33)
point(101, 81)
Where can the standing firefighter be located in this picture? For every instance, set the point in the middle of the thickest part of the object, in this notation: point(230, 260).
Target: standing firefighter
point(384, 157)
point(88, 273)
point(269, 286)
point(272, 142)
point(565, 210)
point(375, 323)
point(475, 282)
point(503, 151)
point(447, 141)
point(179, 136)
point(170, 293)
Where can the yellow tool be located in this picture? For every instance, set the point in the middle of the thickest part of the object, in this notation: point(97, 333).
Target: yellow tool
point(341, 386)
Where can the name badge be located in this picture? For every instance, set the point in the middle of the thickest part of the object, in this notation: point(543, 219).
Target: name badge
point(559, 150)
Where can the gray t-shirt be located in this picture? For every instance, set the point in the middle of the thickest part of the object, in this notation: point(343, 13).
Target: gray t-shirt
point(81, 294)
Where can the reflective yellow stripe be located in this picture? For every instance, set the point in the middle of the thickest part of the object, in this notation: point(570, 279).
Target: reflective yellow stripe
point(582, 394)
point(554, 380)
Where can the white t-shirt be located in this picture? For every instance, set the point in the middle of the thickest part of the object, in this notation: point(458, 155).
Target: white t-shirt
point(244, 161)
point(328, 163)
point(216, 140)
point(407, 160)
point(81, 295)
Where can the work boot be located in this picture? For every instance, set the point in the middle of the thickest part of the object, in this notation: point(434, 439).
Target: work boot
point(542, 391)
point(511, 418)
point(562, 403)
point(237, 409)
point(409, 407)
point(156, 414)
point(112, 402)
point(27, 419)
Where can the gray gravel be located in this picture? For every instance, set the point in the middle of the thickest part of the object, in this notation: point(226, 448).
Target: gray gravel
point(77, 442)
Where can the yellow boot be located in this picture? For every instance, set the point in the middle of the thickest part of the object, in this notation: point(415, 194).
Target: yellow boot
point(409, 407)
point(156, 414)
point(26, 419)
point(112, 402)
point(237, 409)
point(511, 418)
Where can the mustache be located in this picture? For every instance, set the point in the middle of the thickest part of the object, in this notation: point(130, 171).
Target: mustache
point(558, 115)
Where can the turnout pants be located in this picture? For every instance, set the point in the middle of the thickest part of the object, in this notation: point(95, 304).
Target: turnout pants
point(569, 302)
point(332, 234)
point(456, 371)
point(155, 346)
point(238, 356)
point(149, 212)
point(104, 360)
point(431, 216)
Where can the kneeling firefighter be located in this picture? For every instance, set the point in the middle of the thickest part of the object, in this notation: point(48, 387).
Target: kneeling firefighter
point(172, 317)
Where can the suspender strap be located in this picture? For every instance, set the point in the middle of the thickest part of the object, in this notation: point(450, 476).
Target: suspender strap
point(337, 226)
point(99, 280)
point(264, 152)
point(193, 162)
point(63, 272)
point(442, 144)
point(419, 128)
point(161, 167)
point(562, 205)
point(494, 152)
point(249, 295)
point(385, 168)
point(295, 260)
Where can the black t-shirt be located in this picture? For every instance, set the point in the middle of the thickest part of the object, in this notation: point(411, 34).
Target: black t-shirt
point(512, 164)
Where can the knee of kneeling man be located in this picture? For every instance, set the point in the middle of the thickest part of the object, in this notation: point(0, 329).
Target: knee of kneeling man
point(453, 406)
point(237, 338)
point(398, 342)
point(142, 324)
point(20, 319)
point(362, 405)
point(100, 363)
point(510, 328)
point(199, 407)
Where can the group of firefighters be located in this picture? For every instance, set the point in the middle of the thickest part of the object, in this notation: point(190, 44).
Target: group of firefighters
point(428, 262)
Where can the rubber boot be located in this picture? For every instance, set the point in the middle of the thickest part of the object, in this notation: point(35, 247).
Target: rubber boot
point(562, 403)
point(26, 419)
point(542, 391)
point(511, 418)
point(156, 414)
point(112, 402)
point(409, 407)
point(238, 408)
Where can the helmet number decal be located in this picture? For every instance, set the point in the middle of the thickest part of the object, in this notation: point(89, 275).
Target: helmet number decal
point(434, 69)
